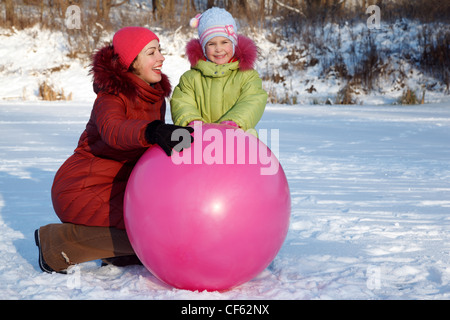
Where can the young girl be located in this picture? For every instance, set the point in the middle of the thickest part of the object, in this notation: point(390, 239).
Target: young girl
point(126, 119)
point(222, 86)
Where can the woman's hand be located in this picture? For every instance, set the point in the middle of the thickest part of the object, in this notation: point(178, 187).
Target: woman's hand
point(169, 136)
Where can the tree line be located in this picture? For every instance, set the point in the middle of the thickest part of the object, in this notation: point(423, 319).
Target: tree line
point(252, 13)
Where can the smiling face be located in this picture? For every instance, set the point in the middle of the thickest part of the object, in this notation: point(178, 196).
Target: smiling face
point(149, 63)
point(219, 50)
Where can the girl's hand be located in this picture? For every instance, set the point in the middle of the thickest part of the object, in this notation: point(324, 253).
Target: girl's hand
point(230, 123)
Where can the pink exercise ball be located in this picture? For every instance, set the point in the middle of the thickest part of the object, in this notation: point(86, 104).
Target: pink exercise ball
point(210, 217)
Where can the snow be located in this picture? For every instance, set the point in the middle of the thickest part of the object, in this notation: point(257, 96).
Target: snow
point(370, 206)
point(370, 189)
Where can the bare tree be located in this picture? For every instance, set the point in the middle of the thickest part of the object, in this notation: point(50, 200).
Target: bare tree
point(157, 8)
point(103, 8)
point(297, 10)
point(210, 3)
point(9, 11)
point(189, 7)
point(169, 11)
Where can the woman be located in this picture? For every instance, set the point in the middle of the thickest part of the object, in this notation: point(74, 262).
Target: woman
point(126, 119)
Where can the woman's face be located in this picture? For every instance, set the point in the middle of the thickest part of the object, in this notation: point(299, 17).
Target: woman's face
point(149, 63)
point(219, 50)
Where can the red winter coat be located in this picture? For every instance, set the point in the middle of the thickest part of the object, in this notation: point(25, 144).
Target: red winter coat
point(89, 187)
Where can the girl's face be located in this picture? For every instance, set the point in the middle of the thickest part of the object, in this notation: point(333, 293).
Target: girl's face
point(149, 63)
point(219, 50)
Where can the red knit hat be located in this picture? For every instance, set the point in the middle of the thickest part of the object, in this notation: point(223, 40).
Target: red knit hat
point(128, 42)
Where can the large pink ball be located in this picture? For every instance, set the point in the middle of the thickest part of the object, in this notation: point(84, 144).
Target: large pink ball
point(212, 216)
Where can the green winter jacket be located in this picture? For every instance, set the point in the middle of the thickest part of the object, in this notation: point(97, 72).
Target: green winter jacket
point(215, 93)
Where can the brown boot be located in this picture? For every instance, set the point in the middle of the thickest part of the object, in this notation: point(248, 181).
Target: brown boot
point(64, 244)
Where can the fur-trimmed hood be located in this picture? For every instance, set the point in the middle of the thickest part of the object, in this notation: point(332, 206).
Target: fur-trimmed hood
point(245, 51)
point(110, 76)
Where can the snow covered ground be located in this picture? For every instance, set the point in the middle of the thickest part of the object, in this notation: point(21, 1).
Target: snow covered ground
point(370, 188)
point(370, 191)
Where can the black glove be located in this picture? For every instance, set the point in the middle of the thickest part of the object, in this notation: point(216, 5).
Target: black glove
point(161, 133)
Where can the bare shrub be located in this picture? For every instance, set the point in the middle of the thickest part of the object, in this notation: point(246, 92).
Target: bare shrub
point(435, 58)
point(409, 97)
point(49, 93)
point(345, 95)
point(369, 68)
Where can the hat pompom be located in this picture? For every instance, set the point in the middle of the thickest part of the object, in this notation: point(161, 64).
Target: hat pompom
point(195, 21)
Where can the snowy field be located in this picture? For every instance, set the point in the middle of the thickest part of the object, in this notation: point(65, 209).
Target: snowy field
point(370, 189)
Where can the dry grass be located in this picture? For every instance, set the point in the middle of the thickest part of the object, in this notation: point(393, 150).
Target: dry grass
point(409, 96)
point(49, 93)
